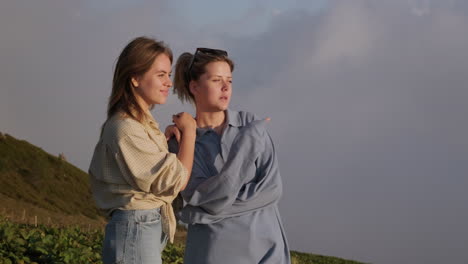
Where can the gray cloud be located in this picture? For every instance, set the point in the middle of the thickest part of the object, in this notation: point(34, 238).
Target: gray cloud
point(367, 100)
point(368, 108)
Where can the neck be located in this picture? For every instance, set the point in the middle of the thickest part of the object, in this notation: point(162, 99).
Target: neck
point(143, 104)
point(213, 120)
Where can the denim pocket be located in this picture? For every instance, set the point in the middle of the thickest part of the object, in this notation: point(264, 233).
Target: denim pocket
point(149, 231)
point(148, 216)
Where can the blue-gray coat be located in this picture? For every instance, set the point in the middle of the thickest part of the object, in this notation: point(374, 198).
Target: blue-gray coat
point(231, 198)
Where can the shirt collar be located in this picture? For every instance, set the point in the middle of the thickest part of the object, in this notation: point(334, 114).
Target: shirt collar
point(233, 119)
point(148, 118)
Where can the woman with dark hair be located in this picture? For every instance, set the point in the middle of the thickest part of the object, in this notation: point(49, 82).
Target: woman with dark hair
point(134, 178)
point(231, 198)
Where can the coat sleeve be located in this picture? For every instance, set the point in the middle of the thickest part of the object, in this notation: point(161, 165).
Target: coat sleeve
point(220, 191)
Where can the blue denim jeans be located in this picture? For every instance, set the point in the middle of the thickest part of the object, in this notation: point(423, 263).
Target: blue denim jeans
point(134, 236)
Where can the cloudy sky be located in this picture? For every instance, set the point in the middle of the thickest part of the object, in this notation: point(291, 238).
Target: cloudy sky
point(367, 100)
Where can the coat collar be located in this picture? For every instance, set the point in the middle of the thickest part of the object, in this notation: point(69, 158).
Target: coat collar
point(233, 119)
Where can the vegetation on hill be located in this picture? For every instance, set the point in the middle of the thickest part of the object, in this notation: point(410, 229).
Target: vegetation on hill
point(306, 258)
point(23, 243)
point(33, 181)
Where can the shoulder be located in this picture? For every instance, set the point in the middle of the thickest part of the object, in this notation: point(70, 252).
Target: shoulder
point(118, 127)
point(248, 116)
point(243, 118)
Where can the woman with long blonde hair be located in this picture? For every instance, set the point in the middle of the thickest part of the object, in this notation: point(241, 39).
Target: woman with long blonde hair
point(134, 178)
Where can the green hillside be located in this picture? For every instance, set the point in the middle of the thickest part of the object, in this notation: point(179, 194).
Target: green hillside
point(35, 183)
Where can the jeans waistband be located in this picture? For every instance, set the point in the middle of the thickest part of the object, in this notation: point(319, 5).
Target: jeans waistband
point(134, 215)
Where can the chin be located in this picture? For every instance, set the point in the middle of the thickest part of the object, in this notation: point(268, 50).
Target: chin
point(223, 107)
point(160, 102)
point(216, 107)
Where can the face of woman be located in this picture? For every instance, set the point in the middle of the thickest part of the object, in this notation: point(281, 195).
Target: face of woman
point(153, 86)
point(213, 90)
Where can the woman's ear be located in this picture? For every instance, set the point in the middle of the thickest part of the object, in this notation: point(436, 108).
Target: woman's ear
point(193, 87)
point(135, 81)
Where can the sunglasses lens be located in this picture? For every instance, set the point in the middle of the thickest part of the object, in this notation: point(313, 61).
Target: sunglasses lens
point(215, 52)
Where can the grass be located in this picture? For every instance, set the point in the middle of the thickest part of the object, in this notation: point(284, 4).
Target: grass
point(307, 258)
point(23, 243)
point(34, 181)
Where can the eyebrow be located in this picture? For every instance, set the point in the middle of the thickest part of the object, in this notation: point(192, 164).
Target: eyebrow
point(216, 75)
point(163, 71)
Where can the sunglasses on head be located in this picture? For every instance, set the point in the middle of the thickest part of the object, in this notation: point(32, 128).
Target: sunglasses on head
point(207, 51)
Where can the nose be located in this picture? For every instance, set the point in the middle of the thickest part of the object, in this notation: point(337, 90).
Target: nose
point(168, 81)
point(226, 85)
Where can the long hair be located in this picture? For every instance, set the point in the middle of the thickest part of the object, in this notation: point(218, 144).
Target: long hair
point(134, 60)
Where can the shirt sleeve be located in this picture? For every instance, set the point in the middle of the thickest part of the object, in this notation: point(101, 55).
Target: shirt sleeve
point(263, 190)
point(267, 184)
point(147, 167)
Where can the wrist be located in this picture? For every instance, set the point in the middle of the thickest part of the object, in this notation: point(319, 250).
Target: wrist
point(189, 133)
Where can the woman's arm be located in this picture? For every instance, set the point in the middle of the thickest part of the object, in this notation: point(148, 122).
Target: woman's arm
point(187, 126)
point(143, 164)
point(264, 190)
point(185, 155)
point(218, 192)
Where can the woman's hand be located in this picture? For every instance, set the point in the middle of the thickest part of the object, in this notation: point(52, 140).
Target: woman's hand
point(172, 131)
point(184, 122)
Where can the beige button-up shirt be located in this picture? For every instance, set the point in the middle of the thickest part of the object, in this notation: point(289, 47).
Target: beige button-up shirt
point(132, 169)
